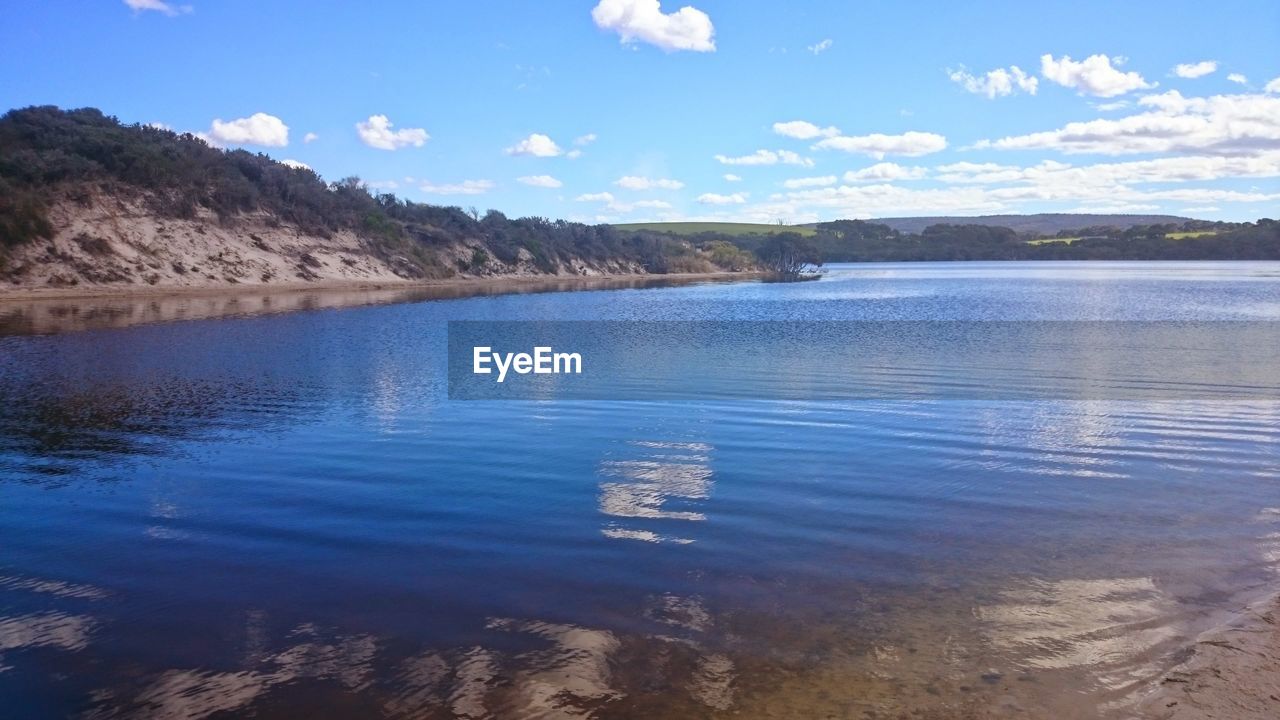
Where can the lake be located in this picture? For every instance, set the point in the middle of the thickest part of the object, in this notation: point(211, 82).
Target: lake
point(287, 515)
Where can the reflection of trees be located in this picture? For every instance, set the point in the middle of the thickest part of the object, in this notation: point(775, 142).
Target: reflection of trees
point(57, 315)
point(48, 427)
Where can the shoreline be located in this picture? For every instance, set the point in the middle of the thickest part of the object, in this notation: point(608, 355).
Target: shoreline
point(9, 294)
point(44, 311)
point(1230, 671)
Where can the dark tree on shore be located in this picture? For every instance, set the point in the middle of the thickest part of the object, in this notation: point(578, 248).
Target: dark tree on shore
point(789, 255)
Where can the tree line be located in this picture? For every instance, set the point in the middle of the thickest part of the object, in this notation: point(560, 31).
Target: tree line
point(868, 241)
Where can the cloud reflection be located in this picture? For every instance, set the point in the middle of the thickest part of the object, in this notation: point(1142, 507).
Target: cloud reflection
point(646, 488)
point(1108, 626)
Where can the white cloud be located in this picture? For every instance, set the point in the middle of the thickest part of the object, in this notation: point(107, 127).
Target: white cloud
point(1238, 78)
point(887, 199)
point(1111, 106)
point(466, 187)
point(821, 47)
point(1120, 194)
point(1203, 209)
point(730, 177)
point(884, 199)
point(257, 129)
point(1228, 124)
point(877, 145)
point(542, 181)
point(1095, 75)
point(1195, 70)
point(632, 182)
point(686, 29)
point(573, 154)
point(536, 145)
point(376, 132)
point(160, 126)
point(583, 140)
point(384, 184)
point(158, 6)
point(796, 183)
point(1115, 209)
point(1273, 86)
point(310, 138)
point(973, 188)
point(718, 199)
point(786, 157)
point(801, 130)
point(612, 204)
point(886, 171)
point(298, 164)
point(766, 157)
point(996, 83)
point(1113, 175)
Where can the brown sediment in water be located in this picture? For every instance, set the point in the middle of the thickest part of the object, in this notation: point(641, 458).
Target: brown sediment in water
point(918, 656)
point(53, 310)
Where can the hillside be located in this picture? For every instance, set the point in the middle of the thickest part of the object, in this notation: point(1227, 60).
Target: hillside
point(722, 228)
point(1038, 224)
point(88, 201)
point(872, 241)
point(1035, 225)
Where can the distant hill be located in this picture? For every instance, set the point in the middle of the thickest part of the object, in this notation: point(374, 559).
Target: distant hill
point(1108, 237)
point(723, 228)
point(1038, 224)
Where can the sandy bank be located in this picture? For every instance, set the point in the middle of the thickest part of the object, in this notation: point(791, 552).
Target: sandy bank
point(1232, 672)
point(502, 283)
point(52, 310)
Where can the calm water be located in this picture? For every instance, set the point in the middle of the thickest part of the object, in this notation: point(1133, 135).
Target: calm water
point(285, 516)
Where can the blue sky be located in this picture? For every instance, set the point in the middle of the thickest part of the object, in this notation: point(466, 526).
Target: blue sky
point(618, 110)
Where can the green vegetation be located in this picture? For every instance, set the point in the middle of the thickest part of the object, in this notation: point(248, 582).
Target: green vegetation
point(863, 241)
point(789, 256)
point(721, 228)
point(50, 155)
point(1035, 224)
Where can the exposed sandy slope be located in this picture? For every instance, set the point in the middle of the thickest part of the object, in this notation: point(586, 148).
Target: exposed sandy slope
point(117, 242)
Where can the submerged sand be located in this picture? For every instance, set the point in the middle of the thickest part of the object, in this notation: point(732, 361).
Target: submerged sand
point(1231, 672)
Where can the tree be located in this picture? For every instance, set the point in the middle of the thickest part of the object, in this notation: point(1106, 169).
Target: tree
point(789, 255)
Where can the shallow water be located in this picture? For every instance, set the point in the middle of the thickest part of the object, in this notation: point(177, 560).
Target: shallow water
point(285, 515)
